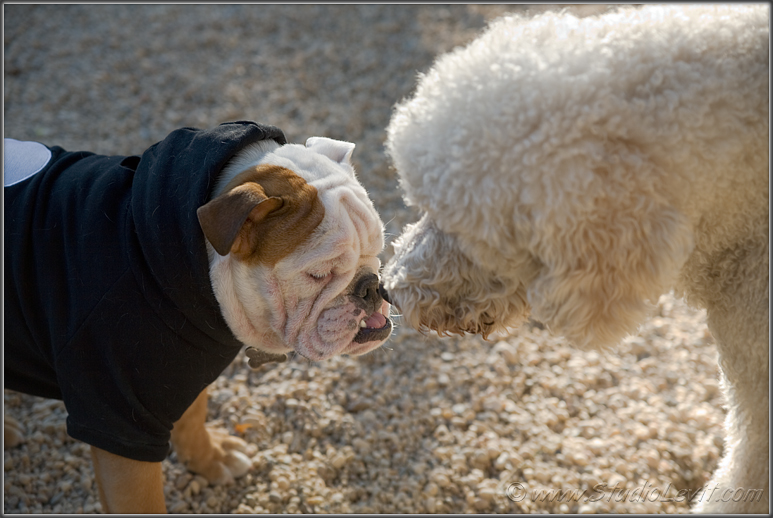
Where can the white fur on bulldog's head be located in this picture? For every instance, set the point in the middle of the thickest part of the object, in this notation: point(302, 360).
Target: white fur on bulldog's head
point(294, 241)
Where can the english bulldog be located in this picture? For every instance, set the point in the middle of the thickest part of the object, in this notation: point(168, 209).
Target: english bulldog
point(132, 282)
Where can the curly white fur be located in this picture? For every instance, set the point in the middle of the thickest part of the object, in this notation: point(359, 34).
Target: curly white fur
point(576, 169)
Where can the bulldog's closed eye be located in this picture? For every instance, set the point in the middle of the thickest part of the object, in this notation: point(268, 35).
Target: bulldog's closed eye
point(320, 276)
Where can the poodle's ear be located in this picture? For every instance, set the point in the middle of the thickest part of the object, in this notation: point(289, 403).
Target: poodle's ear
point(603, 266)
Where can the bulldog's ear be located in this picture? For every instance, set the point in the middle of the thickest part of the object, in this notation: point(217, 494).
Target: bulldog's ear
point(223, 218)
point(336, 150)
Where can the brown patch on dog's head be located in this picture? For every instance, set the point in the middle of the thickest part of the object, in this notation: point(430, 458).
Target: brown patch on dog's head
point(263, 215)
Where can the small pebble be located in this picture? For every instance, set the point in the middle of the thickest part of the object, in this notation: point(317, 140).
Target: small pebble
point(315, 500)
point(487, 493)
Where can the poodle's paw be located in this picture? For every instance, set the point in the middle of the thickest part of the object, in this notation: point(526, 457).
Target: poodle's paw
point(13, 433)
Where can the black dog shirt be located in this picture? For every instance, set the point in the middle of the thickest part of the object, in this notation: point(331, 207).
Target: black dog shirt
point(108, 304)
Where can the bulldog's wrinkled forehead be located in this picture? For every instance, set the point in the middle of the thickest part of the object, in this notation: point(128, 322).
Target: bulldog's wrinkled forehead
point(325, 165)
point(313, 164)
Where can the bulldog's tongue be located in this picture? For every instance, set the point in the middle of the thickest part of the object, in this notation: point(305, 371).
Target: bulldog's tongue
point(375, 321)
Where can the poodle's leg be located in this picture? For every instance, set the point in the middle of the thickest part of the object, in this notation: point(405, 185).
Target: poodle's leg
point(739, 323)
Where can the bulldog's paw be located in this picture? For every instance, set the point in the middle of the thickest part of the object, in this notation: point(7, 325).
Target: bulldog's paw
point(13, 432)
point(231, 461)
point(221, 460)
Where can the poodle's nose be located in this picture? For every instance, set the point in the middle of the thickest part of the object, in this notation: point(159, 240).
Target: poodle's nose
point(383, 292)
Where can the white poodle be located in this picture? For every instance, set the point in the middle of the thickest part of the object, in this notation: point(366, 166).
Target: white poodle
point(576, 169)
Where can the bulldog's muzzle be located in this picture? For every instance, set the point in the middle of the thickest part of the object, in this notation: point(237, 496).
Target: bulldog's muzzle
point(367, 293)
point(368, 289)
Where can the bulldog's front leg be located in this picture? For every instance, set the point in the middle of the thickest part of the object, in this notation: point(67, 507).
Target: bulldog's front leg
point(212, 453)
point(128, 486)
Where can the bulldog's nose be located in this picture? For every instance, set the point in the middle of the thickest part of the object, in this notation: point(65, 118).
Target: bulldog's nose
point(383, 292)
point(367, 288)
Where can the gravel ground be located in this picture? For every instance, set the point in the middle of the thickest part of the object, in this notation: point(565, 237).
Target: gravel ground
point(423, 425)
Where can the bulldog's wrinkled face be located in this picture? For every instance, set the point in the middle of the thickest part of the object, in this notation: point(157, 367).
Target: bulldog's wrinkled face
point(294, 243)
